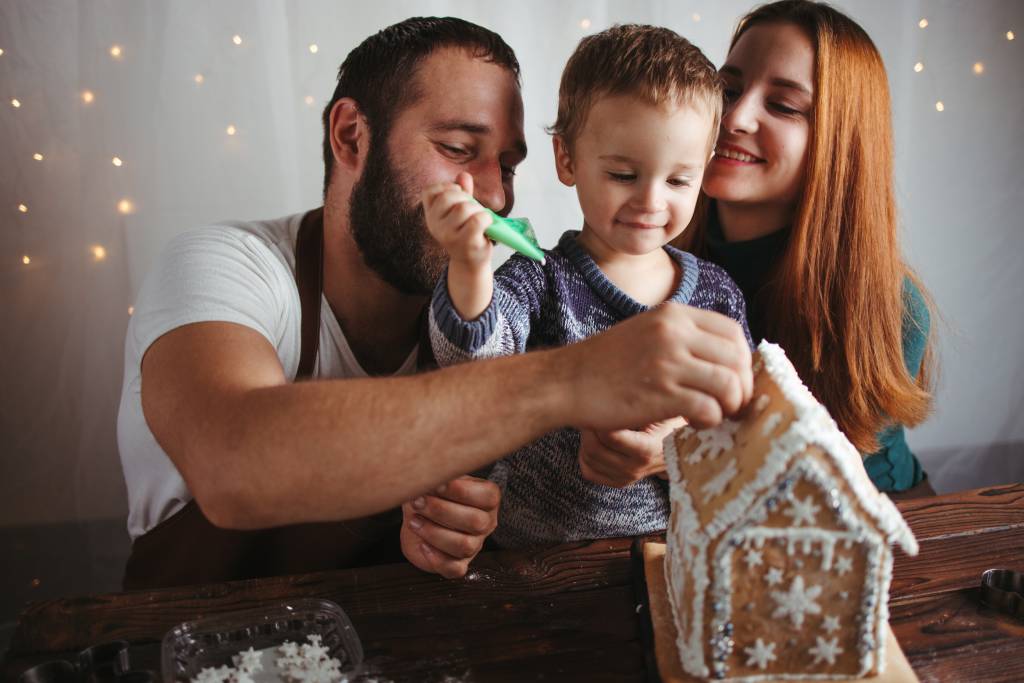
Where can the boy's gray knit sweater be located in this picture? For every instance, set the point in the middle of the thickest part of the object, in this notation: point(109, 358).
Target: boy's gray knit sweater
point(544, 498)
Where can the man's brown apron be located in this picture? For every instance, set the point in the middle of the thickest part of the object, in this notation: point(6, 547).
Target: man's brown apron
point(187, 549)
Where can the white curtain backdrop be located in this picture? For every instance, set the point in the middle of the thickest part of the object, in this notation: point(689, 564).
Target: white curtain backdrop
point(162, 103)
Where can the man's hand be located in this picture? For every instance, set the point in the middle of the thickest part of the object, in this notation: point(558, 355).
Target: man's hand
point(623, 457)
point(673, 361)
point(443, 531)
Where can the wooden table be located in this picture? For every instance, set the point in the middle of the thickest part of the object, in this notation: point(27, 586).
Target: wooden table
point(568, 613)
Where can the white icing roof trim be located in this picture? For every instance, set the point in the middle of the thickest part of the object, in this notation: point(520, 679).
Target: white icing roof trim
point(819, 428)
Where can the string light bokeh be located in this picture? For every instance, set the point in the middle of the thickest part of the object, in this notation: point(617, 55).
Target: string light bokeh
point(116, 51)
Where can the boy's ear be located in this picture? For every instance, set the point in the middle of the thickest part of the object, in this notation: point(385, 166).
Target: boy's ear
point(563, 161)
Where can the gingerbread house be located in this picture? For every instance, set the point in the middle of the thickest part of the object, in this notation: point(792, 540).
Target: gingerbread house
point(778, 561)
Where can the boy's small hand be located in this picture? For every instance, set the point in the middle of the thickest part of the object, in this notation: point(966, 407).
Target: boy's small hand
point(458, 222)
point(625, 456)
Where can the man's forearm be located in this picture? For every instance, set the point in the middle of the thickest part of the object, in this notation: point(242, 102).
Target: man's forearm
point(347, 448)
point(257, 451)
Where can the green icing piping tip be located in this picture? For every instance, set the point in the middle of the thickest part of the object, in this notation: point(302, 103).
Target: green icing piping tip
point(516, 233)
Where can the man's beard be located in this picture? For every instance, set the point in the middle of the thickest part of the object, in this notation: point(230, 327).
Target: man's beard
point(390, 230)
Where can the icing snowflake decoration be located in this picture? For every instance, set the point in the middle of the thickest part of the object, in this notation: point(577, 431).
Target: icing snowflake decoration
point(306, 663)
point(802, 511)
point(761, 654)
point(716, 485)
point(830, 624)
point(753, 559)
point(796, 602)
point(214, 675)
point(774, 576)
point(844, 564)
point(825, 650)
point(713, 441)
point(249, 660)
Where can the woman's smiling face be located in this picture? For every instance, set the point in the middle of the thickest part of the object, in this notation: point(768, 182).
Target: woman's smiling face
point(769, 92)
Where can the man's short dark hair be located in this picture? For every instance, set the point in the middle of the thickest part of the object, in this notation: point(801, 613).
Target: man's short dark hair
point(380, 73)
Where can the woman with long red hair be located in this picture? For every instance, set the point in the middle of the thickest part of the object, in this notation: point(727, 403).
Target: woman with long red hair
point(800, 210)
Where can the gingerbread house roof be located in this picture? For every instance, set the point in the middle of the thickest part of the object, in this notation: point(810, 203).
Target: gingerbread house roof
point(791, 423)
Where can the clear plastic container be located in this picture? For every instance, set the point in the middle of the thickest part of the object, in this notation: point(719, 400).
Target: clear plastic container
point(195, 645)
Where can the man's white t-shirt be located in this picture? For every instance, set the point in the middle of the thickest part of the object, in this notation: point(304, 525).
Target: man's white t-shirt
point(237, 272)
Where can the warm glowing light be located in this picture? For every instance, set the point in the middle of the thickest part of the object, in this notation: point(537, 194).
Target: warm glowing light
point(919, 67)
point(939, 106)
point(1010, 35)
point(979, 68)
point(115, 51)
point(88, 97)
point(585, 23)
point(15, 103)
point(696, 17)
point(1, 52)
point(236, 39)
point(36, 583)
point(131, 310)
point(37, 156)
point(309, 99)
point(923, 23)
point(314, 48)
point(22, 208)
point(198, 79)
point(232, 130)
point(125, 206)
point(116, 161)
point(26, 260)
point(98, 252)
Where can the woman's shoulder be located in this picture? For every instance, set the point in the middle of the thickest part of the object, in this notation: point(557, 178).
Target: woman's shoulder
point(916, 325)
point(916, 314)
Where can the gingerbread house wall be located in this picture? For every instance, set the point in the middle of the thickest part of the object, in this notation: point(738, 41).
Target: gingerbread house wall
point(796, 585)
point(726, 596)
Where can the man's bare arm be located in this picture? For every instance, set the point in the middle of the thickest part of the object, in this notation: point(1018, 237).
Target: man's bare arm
point(258, 451)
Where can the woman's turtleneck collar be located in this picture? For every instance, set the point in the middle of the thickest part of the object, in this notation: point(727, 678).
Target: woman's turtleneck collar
point(750, 263)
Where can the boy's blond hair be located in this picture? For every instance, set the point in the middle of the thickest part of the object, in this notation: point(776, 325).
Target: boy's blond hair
point(653, 63)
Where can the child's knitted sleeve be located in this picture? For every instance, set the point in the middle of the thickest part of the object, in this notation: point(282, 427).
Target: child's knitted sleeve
point(716, 291)
point(737, 310)
point(502, 329)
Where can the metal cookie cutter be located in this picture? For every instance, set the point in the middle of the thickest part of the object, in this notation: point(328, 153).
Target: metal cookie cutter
point(1003, 590)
